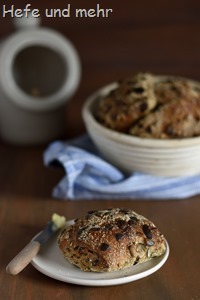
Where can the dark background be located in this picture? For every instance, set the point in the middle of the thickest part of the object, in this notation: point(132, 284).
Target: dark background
point(162, 37)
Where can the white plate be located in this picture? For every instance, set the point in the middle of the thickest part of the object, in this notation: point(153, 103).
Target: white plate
point(51, 262)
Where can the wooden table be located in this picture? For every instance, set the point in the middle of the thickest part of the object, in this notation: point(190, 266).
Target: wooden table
point(161, 37)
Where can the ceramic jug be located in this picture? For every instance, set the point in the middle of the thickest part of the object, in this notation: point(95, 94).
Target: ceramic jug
point(39, 72)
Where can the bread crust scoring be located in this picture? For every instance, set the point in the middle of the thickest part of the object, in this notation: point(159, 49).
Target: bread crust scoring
point(110, 240)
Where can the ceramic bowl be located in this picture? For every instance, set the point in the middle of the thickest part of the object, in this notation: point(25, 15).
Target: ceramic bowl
point(175, 157)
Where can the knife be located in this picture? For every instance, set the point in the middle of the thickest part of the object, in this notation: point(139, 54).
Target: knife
point(24, 257)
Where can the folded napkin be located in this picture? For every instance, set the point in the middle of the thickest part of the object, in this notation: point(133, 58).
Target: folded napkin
point(89, 176)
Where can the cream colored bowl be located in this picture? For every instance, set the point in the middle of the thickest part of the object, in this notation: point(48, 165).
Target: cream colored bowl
point(175, 157)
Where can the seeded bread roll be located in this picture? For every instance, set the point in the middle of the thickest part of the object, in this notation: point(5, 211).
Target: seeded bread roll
point(110, 240)
point(131, 100)
point(149, 106)
point(177, 117)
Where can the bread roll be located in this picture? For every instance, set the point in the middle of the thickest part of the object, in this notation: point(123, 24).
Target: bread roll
point(177, 114)
point(110, 240)
point(149, 106)
point(131, 100)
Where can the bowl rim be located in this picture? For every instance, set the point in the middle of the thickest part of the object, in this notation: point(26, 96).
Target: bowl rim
point(131, 140)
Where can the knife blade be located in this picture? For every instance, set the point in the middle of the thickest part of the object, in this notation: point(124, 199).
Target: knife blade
point(24, 257)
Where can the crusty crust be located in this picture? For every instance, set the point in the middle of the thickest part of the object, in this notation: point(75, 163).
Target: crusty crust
point(159, 107)
point(110, 240)
point(132, 99)
point(176, 119)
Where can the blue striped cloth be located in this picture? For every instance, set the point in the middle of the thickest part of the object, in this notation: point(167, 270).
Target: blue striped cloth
point(88, 176)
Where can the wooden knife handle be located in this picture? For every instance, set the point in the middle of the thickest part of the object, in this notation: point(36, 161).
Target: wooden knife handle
point(23, 258)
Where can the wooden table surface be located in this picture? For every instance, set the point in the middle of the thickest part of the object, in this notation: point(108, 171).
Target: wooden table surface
point(160, 37)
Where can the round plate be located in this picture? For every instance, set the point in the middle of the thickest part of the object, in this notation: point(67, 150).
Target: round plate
point(51, 262)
